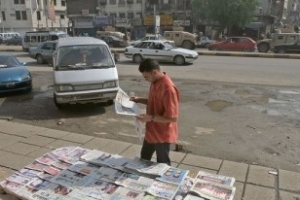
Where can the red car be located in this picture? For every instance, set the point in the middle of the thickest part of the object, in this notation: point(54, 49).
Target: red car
point(234, 44)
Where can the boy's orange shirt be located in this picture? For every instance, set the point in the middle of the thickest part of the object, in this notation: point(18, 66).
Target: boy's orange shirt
point(163, 100)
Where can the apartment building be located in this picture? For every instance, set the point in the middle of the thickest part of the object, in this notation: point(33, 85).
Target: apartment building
point(88, 16)
point(28, 15)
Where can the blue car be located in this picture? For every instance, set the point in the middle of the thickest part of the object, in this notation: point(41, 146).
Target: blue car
point(14, 76)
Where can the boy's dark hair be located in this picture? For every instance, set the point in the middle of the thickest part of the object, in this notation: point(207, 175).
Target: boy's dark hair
point(148, 65)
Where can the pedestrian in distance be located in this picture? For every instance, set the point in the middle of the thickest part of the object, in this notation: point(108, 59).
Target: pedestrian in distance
point(161, 113)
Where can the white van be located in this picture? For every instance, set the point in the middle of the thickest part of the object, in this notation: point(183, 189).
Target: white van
point(6, 36)
point(34, 38)
point(84, 72)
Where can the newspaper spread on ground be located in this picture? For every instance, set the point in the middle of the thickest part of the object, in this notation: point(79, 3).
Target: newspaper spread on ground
point(134, 182)
point(173, 175)
point(124, 106)
point(147, 167)
point(212, 190)
point(184, 188)
point(83, 180)
point(219, 179)
point(74, 155)
point(126, 194)
point(163, 190)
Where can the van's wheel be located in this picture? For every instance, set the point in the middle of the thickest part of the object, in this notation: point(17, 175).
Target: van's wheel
point(187, 45)
point(263, 47)
point(137, 58)
point(179, 60)
point(39, 59)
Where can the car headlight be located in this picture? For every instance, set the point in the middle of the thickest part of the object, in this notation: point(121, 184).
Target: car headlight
point(110, 84)
point(25, 77)
point(64, 88)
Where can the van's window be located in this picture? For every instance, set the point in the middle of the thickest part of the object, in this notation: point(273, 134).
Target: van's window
point(83, 57)
point(47, 46)
point(26, 39)
point(280, 37)
point(33, 39)
point(53, 37)
point(177, 35)
point(44, 38)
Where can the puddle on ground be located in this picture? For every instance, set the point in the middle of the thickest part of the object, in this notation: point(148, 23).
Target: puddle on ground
point(218, 105)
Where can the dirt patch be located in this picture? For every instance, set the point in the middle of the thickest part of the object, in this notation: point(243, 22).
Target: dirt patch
point(218, 105)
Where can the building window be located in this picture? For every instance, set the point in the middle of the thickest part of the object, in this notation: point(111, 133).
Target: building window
point(22, 1)
point(19, 1)
point(3, 16)
point(62, 16)
point(138, 14)
point(24, 15)
point(130, 15)
point(121, 1)
point(112, 2)
point(54, 2)
point(18, 15)
point(138, 1)
point(21, 15)
point(38, 15)
point(63, 3)
point(122, 15)
point(16, 1)
point(113, 15)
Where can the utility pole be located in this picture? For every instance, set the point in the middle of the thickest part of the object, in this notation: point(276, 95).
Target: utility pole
point(154, 18)
point(1, 17)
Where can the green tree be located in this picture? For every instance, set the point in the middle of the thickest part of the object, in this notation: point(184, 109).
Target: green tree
point(225, 13)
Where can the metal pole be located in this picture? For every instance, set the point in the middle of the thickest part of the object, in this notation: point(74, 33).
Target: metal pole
point(154, 17)
point(2, 21)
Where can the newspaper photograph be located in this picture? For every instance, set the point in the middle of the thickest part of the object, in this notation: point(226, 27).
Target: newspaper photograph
point(163, 190)
point(74, 155)
point(46, 159)
point(84, 168)
point(219, 179)
point(28, 173)
point(52, 170)
point(11, 186)
point(184, 188)
point(19, 179)
point(45, 176)
point(70, 179)
point(97, 157)
point(108, 174)
point(126, 194)
point(173, 175)
point(124, 106)
point(98, 189)
point(212, 190)
point(36, 166)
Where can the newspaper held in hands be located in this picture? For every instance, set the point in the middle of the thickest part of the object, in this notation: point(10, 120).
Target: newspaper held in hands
point(214, 178)
point(212, 190)
point(124, 106)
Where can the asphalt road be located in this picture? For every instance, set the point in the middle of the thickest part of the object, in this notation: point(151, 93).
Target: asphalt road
point(234, 108)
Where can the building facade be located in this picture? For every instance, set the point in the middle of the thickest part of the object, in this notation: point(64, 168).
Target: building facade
point(29, 15)
point(89, 16)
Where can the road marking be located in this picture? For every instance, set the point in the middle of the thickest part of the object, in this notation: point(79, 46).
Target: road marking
point(2, 101)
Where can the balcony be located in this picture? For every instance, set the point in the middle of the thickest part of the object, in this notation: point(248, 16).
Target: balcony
point(130, 2)
point(103, 2)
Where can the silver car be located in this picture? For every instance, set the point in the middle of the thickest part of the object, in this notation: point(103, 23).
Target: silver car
point(160, 50)
point(43, 53)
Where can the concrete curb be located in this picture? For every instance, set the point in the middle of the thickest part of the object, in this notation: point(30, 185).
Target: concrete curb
point(205, 53)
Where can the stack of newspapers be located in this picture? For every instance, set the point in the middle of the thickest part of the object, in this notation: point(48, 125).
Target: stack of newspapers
point(75, 173)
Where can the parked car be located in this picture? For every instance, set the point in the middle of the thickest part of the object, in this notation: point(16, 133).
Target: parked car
point(16, 40)
point(14, 76)
point(1, 40)
point(161, 51)
point(43, 52)
point(113, 41)
point(288, 48)
point(234, 44)
point(205, 41)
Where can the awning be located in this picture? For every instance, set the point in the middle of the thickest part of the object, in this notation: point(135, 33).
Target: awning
point(254, 25)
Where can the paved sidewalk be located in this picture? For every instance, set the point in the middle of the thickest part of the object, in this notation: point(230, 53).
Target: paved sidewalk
point(20, 144)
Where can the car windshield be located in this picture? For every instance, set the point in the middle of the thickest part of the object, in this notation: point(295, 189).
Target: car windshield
point(8, 61)
point(169, 45)
point(83, 57)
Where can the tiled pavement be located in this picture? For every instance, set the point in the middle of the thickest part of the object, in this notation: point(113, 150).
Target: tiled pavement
point(20, 144)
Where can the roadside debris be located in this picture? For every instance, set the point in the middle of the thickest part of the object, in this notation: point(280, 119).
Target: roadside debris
point(61, 122)
point(8, 118)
